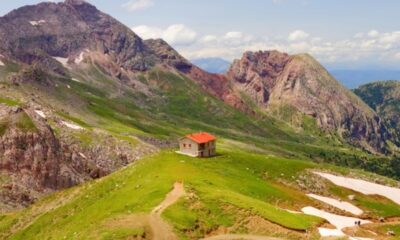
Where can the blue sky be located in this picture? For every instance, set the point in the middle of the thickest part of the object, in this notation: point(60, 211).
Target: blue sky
point(339, 33)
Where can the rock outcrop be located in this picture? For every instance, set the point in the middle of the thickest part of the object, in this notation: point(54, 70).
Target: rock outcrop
point(278, 82)
point(37, 161)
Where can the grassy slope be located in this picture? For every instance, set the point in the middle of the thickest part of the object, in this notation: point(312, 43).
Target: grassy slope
point(217, 182)
point(221, 188)
point(242, 177)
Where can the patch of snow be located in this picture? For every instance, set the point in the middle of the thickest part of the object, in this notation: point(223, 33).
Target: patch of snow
point(338, 221)
point(40, 113)
point(68, 86)
point(63, 61)
point(82, 155)
point(364, 187)
point(75, 80)
point(346, 206)
point(359, 238)
point(81, 56)
point(72, 126)
point(326, 232)
point(37, 23)
point(1, 63)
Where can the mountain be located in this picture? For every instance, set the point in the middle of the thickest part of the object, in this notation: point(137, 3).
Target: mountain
point(287, 86)
point(93, 80)
point(355, 78)
point(90, 115)
point(212, 65)
point(384, 98)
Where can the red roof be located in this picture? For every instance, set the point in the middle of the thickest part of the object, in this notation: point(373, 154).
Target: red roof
point(201, 137)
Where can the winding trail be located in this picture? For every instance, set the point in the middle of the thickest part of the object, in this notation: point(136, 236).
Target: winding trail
point(239, 237)
point(160, 229)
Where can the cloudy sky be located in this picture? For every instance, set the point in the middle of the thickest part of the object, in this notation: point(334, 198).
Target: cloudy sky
point(345, 34)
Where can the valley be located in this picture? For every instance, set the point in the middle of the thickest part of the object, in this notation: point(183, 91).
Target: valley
point(91, 114)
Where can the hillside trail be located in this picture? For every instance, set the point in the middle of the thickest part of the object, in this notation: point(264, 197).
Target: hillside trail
point(239, 237)
point(160, 229)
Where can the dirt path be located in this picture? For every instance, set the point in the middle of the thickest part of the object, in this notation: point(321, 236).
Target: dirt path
point(159, 228)
point(170, 199)
point(240, 237)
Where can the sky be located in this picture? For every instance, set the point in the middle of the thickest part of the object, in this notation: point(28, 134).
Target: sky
point(342, 34)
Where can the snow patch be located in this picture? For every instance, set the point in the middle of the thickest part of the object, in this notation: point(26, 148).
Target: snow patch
point(345, 206)
point(37, 23)
point(75, 80)
point(338, 221)
point(81, 56)
point(40, 113)
point(1, 63)
point(63, 61)
point(72, 126)
point(364, 187)
point(326, 232)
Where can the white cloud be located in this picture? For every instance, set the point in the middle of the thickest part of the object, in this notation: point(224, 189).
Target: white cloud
point(373, 33)
point(179, 34)
point(298, 35)
point(147, 32)
point(370, 47)
point(176, 34)
point(135, 5)
point(208, 39)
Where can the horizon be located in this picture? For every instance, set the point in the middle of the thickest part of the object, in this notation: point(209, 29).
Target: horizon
point(333, 33)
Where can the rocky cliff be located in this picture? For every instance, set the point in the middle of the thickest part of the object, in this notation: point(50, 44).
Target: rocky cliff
point(384, 98)
point(280, 83)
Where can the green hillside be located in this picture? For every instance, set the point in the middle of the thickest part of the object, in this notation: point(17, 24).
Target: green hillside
point(222, 191)
point(261, 171)
point(384, 98)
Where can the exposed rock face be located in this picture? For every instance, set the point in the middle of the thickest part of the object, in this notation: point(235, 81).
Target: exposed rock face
point(39, 162)
point(38, 33)
point(257, 73)
point(384, 98)
point(276, 80)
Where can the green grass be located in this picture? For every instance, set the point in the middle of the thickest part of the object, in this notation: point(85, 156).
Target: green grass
point(9, 102)
point(25, 123)
point(139, 188)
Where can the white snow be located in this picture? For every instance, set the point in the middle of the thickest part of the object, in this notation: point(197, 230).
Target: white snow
point(63, 61)
point(40, 113)
point(72, 126)
point(1, 63)
point(338, 221)
point(326, 232)
point(359, 238)
point(75, 80)
point(68, 86)
point(81, 56)
point(345, 206)
point(37, 23)
point(364, 187)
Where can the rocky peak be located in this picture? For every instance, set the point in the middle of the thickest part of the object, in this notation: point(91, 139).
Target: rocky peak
point(257, 73)
point(76, 2)
point(277, 81)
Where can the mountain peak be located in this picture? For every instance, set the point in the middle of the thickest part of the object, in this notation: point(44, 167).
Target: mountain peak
point(75, 2)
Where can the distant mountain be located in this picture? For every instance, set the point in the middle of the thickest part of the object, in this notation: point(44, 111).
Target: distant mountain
point(355, 78)
point(384, 97)
point(212, 65)
point(289, 85)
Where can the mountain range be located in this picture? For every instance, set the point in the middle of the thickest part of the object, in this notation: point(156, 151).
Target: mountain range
point(84, 98)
